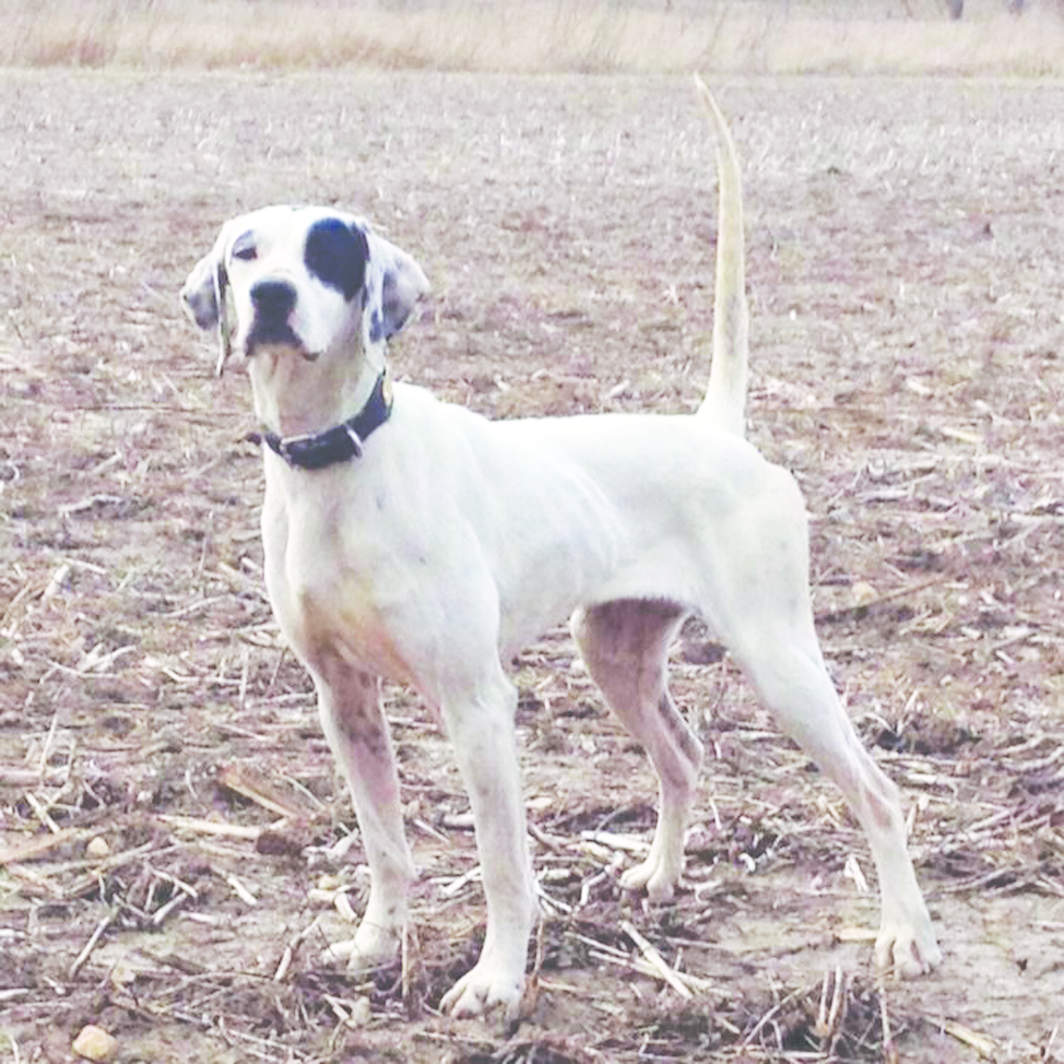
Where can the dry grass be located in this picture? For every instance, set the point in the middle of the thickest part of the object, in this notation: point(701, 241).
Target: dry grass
point(766, 36)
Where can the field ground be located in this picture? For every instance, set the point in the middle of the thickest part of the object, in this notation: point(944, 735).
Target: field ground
point(905, 272)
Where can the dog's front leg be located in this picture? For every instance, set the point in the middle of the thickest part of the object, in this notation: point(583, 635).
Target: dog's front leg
point(357, 732)
point(480, 722)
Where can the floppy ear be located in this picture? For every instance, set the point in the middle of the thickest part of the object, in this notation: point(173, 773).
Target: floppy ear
point(204, 297)
point(401, 283)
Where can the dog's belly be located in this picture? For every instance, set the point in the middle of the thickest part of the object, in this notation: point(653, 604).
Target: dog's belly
point(599, 508)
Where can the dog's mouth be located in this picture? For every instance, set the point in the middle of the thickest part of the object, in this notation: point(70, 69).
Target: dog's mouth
point(276, 334)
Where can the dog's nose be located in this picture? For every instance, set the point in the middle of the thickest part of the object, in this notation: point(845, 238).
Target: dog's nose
point(273, 299)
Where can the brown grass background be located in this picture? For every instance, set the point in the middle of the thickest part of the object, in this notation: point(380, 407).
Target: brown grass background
point(763, 36)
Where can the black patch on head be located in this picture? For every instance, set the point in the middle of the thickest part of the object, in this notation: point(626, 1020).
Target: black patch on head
point(336, 254)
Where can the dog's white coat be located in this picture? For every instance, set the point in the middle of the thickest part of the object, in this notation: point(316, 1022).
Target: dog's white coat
point(454, 540)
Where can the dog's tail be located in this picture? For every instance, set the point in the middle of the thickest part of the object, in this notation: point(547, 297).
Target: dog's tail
point(725, 400)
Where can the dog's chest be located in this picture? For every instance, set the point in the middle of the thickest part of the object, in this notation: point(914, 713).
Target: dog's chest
point(326, 594)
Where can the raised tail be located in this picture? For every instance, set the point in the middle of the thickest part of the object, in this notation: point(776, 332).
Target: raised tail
point(725, 400)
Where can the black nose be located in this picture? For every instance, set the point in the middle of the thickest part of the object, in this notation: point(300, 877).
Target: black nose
point(274, 300)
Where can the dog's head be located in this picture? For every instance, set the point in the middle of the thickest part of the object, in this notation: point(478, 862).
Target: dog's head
point(307, 279)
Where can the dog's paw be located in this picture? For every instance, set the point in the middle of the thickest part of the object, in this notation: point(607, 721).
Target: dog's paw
point(655, 876)
point(908, 948)
point(372, 947)
point(485, 988)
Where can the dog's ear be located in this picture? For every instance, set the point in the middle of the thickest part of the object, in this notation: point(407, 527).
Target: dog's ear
point(393, 287)
point(201, 292)
point(204, 297)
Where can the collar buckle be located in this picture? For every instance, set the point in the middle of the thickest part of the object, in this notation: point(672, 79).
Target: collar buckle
point(356, 440)
point(292, 448)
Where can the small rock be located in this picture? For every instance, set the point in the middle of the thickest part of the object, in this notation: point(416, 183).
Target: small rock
point(94, 1043)
point(97, 847)
point(863, 593)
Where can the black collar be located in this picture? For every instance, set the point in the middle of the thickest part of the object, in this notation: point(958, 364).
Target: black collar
point(320, 449)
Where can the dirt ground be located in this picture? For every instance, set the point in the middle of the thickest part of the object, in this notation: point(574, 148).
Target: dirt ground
point(905, 272)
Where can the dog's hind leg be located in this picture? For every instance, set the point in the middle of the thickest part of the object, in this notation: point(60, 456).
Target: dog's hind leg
point(762, 610)
point(624, 645)
point(357, 733)
point(791, 678)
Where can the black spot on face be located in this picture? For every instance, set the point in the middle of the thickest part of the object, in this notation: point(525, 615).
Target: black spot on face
point(336, 254)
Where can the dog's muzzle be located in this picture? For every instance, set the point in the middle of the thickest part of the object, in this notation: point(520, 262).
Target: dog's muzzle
point(273, 303)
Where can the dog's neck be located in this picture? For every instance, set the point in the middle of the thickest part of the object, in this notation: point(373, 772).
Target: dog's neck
point(294, 396)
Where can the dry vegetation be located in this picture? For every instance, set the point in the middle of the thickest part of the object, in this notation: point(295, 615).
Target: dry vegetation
point(766, 36)
point(906, 274)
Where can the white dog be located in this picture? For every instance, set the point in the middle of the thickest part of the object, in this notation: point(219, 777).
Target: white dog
point(410, 539)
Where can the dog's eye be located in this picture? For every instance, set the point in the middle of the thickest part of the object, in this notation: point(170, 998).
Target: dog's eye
point(244, 247)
